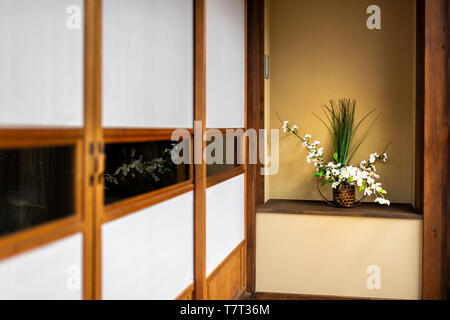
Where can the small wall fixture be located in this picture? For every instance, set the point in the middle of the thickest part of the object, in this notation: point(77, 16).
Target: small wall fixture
point(266, 66)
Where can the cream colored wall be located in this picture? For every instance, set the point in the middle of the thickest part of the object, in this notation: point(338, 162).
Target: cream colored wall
point(322, 255)
point(322, 50)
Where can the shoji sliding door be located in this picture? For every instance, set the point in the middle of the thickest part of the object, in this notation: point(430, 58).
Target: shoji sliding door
point(43, 221)
point(147, 232)
point(225, 109)
point(92, 204)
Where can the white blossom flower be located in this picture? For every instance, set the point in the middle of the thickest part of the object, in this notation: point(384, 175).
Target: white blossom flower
point(383, 201)
point(364, 176)
point(363, 164)
point(320, 152)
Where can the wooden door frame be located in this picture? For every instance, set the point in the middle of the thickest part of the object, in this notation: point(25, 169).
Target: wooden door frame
point(83, 140)
point(435, 148)
point(255, 120)
point(431, 136)
point(200, 292)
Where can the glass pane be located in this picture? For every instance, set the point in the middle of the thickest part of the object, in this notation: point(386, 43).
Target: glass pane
point(36, 186)
point(225, 161)
point(137, 168)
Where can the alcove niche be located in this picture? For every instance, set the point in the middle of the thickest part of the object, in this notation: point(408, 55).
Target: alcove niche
point(323, 50)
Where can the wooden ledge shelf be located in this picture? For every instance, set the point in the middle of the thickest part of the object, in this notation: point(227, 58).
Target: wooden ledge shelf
point(368, 210)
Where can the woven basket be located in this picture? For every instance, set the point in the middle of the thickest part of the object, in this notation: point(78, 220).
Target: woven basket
point(344, 197)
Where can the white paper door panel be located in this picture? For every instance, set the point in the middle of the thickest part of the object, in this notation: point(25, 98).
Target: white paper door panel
point(224, 220)
point(225, 63)
point(53, 271)
point(148, 63)
point(150, 254)
point(41, 63)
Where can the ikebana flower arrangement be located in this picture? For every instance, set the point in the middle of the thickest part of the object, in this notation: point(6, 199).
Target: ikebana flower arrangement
point(338, 172)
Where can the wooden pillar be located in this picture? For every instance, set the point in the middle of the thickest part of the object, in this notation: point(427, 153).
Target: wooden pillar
point(93, 145)
point(200, 168)
point(435, 148)
point(255, 120)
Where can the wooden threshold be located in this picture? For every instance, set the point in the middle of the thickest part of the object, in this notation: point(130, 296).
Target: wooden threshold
point(240, 295)
point(293, 296)
point(367, 210)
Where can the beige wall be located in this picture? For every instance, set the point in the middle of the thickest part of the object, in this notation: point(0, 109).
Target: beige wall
point(322, 255)
point(322, 50)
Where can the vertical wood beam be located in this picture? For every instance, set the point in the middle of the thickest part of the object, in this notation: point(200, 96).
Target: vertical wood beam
point(435, 145)
point(255, 120)
point(200, 292)
point(244, 144)
point(420, 87)
point(93, 194)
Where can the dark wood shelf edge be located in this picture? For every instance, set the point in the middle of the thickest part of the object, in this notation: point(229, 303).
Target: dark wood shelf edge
point(366, 210)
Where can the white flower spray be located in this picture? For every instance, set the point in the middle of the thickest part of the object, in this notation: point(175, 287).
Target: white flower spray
point(363, 177)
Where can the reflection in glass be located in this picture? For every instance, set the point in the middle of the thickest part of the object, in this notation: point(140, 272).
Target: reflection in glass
point(137, 168)
point(226, 160)
point(36, 186)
